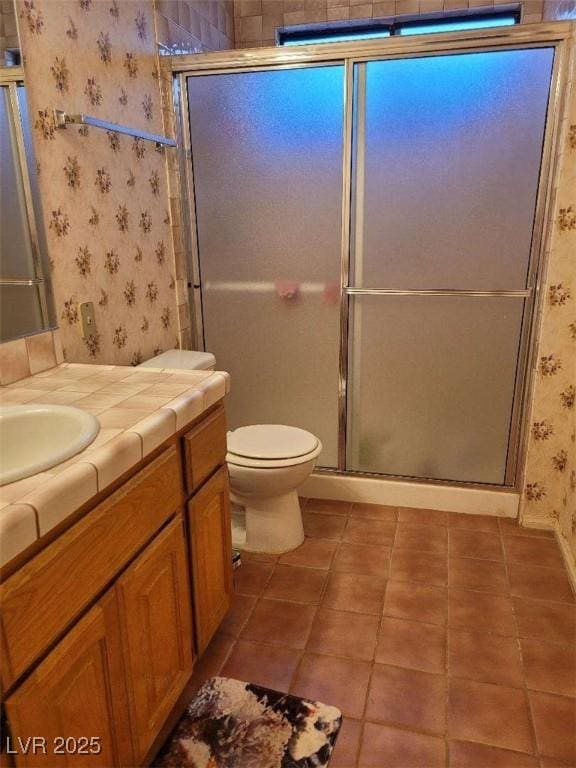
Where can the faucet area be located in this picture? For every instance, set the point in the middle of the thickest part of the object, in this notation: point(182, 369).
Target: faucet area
point(288, 383)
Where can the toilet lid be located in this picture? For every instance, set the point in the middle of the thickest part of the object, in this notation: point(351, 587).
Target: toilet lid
point(271, 441)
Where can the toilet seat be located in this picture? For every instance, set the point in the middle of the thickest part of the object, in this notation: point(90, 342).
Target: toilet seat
point(270, 446)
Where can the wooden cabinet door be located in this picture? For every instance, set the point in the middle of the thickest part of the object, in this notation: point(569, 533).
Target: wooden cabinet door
point(156, 625)
point(74, 702)
point(211, 551)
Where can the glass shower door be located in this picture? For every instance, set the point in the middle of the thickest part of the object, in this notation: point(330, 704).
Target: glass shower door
point(267, 150)
point(447, 153)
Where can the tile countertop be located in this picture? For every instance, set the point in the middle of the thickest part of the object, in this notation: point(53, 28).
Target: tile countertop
point(137, 409)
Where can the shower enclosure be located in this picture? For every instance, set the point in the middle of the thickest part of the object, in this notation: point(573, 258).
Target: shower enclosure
point(366, 227)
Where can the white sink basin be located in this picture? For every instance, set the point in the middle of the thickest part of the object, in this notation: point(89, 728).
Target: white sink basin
point(36, 437)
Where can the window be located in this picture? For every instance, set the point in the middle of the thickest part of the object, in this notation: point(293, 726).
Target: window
point(337, 32)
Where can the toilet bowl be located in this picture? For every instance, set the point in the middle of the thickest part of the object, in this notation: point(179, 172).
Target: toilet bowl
point(267, 463)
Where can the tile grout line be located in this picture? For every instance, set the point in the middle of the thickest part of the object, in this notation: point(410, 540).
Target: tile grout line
point(298, 666)
point(532, 725)
point(378, 632)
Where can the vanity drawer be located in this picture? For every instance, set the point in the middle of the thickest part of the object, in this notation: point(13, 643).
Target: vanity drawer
point(40, 600)
point(205, 449)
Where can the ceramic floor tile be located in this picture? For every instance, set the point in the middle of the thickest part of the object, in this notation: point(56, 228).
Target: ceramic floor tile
point(416, 602)
point(313, 553)
point(279, 623)
point(411, 644)
point(473, 522)
point(407, 698)
point(360, 530)
point(301, 585)
point(555, 725)
point(422, 538)
point(259, 557)
point(237, 616)
point(549, 667)
point(475, 544)
point(352, 592)
point(464, 754)
point(525, 549)
point(323, 526)
point(424, 567)
point(384, 747)
point(492, 714)
point(266, 665)
point(539, 583)
point(364, 559)
point(212, 661)
point(328, 506)
point(374, 512)
point(345, 753)
point(479, 612)
point(419, 516)
point(341, 633)
point(546, 621)
point(551, 762)
point(478, 575)
point(342, 682)
point(252, 577)
point(486, 658)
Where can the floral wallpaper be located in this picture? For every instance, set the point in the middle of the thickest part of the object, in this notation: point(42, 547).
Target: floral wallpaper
point(549, 492)
point(105, 196)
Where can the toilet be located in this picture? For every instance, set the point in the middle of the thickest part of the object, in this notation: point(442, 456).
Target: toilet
point(267, 463)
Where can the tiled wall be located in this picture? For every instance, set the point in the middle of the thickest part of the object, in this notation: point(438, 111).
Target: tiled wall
point(549, 492)
point(8, 31)
point(25, 357)
point(256, 20)
point(192, 26)
point(105, 196)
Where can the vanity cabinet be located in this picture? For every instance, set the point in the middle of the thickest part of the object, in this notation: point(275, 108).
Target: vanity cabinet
point(156, 627)
point(100, 629)
point(210, 543)
point(76, 693)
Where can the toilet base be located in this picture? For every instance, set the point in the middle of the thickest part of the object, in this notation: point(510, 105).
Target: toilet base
point(272, 525)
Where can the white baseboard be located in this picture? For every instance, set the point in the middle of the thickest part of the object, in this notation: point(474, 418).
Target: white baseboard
point(397, 493)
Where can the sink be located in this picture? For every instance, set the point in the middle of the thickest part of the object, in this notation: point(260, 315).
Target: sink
point(36, 437)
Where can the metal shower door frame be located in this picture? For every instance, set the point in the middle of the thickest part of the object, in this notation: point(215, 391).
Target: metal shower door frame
point(12, 78)
point(555, 35)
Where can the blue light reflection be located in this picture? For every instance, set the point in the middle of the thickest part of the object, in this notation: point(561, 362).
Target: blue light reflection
point(429, 28)
point(328, 38)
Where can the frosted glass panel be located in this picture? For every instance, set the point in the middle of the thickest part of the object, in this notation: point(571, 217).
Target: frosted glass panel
point(19, 311)
point(15, 251)
point(431, 385)
point(447, 160)
point(267, 160)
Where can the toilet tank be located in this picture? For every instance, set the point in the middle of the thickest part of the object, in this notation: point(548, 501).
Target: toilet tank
point(186, 359)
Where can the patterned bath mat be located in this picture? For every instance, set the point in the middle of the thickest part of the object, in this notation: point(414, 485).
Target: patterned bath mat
point(231, 724)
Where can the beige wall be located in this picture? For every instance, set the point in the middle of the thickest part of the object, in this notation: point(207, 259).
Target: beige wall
point(105, 197)
point(549, 488)
point(257, 20)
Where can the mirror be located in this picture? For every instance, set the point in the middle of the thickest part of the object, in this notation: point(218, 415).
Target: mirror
point(9, 43)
